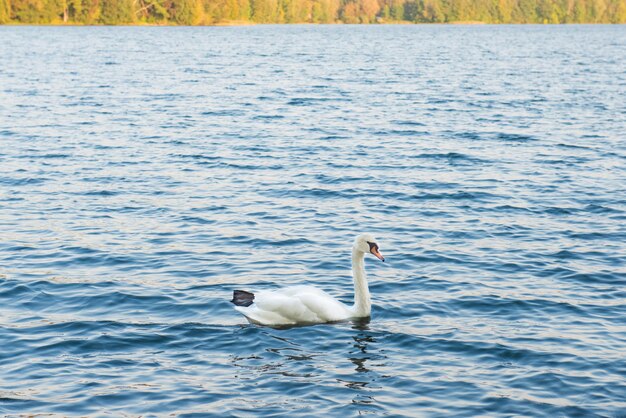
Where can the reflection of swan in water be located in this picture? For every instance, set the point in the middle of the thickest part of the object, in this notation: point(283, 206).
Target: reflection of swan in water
point(365, 375)
point(344, 363)
point(309, 305)
point(361, 343)
point(360, 356)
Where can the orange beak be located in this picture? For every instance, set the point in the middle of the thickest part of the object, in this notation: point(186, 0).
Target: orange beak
point(377, 254)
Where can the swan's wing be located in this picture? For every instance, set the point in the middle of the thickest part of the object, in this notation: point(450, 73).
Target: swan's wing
point(292, 305)
point(261, 317)
point(274, 308)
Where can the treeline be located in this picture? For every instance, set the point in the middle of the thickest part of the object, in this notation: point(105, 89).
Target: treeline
point(207, 12)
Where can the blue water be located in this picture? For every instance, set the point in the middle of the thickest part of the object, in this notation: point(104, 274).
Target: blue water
point(146, 173)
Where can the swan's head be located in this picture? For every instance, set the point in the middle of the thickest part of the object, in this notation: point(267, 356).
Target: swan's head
point(366, 243)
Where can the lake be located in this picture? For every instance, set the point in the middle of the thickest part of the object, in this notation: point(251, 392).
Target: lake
point(147, 172)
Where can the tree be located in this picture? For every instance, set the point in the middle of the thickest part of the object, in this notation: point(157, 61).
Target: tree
point(525, 12)
point(350, 12)
point(73, 9)
point(232, 10)
point(5, 11)
point(505, 11)
point(317, 14)
point(620, 12)
point(187, 12)
point(432, 11)
point(191, 12)
point(546, 10)
point(117, 12)
point(397, 10)
point(331, 10)
point(295, 11)
point(324, 11)
point(152, 10)
point(579, 12)
point(369, 8)
point(264, 11)
point(245, 10)
point(411, 11)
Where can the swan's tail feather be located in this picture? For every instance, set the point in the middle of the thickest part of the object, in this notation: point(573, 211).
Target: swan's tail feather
point(242, 298)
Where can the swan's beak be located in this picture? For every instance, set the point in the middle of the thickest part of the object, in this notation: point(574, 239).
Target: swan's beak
point(377, 254)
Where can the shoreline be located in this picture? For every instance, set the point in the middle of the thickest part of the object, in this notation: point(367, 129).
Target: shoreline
point(245, 23)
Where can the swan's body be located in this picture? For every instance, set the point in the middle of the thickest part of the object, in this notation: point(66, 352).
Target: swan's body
point(307, 304)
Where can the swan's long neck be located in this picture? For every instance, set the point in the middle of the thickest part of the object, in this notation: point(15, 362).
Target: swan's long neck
point(362, 302)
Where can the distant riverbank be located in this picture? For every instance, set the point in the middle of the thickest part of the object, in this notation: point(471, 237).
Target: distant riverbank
point(247, 12)
point(248, 23)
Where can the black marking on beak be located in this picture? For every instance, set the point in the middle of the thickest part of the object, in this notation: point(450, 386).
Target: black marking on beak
point(374, 250)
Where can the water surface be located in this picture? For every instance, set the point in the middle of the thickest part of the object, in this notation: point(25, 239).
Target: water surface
point(146, 173)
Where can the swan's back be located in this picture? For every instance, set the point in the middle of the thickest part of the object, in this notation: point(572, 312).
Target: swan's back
point(293, 305)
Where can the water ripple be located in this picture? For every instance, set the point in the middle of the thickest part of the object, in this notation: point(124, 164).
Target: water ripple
point(135, 198)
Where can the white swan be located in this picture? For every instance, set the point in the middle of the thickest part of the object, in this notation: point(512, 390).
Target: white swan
point(309, 305)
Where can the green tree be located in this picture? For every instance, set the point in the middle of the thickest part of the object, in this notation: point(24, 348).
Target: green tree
point(317, 13)
point(245, 11)
point(463, 10)
point(73, 9)
point(619, 16)
point(187, 12)
point(525, 12)
point(579, 13)
point(411, 11)
point(294, 11)
point(546, 9)
point(505, 11)
point(386, 12)
point(264, 11)
point(38, 11)
point(117, 12)
point(432, 11)
point(397, 10)
point(152, 10)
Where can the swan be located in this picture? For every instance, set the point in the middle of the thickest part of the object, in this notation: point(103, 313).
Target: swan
point(301, 304)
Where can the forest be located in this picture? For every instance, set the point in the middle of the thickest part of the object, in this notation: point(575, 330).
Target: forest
point(213, 12)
